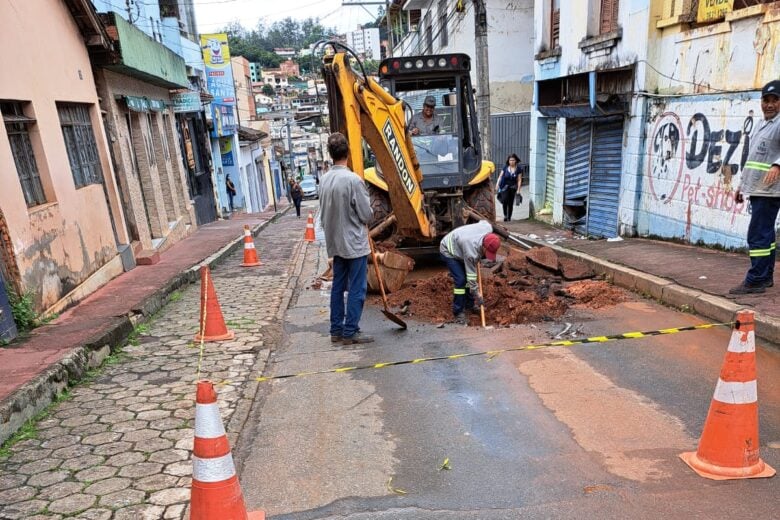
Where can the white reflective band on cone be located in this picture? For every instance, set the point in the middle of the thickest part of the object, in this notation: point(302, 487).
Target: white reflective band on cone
point(213, 470)
point(247, 233)
point(737, 345)
point(249, 245)
point(736, 393)
point(208, 423)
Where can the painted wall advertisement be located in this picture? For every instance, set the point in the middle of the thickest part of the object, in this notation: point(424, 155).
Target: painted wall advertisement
point(219, 82)
point(226, 150)
point(710, 10)
point(696, 153)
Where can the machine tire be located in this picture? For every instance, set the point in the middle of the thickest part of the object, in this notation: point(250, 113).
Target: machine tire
point(481, 199)
point(380, 205)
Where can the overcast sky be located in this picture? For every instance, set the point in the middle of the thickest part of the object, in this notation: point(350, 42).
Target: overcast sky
point(213, 15)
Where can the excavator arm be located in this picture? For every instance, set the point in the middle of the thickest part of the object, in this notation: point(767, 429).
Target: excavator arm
point(362, 110)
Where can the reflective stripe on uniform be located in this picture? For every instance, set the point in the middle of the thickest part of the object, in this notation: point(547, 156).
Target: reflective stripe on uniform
point(449, 245)
point(471, 276)
point(213, 470)
point(763, 167)
point(735, 392)
point(760, 252)
point(459, 291)
point(208, 422)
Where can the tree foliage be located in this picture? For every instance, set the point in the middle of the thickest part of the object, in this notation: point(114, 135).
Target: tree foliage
point(258, 44)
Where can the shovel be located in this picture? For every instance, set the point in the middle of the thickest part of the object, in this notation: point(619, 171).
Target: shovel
point(481, 293)
point(386, 311)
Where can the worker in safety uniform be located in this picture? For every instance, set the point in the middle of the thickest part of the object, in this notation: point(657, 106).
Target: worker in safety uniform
point(760, 183)
point(462, 249)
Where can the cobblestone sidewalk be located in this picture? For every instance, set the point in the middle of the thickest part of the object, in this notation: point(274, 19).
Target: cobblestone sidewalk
point(119, 446)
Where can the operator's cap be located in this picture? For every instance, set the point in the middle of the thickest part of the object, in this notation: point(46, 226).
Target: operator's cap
point(430, 101)
point(491, 243)
point(771, 88)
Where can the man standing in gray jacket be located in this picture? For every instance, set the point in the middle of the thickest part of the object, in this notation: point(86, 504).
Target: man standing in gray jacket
point(760, 183)
point(345, 211)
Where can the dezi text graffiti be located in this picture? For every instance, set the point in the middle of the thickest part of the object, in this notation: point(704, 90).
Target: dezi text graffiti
point(697, 163)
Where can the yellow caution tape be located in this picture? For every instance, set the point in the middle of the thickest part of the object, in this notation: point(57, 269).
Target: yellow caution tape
point(493, 353)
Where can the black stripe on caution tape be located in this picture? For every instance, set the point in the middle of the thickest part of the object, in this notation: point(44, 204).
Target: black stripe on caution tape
point(493, 353)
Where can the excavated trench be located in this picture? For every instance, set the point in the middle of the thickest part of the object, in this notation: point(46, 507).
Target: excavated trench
point(526, 287)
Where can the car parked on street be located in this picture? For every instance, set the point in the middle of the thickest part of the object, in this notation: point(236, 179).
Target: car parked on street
point(310, 188)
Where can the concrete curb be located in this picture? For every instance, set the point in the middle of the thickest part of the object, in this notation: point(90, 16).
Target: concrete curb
point(38, 393)
point(684, 298)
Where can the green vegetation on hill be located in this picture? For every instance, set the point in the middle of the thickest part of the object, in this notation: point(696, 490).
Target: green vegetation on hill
point(258, 44)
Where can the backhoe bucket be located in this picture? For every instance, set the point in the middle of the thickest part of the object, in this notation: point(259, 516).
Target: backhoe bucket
point(394, 266)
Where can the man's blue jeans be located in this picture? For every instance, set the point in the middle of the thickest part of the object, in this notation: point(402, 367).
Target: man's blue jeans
point(349, 274)
point(462, 298)
point(761, 240)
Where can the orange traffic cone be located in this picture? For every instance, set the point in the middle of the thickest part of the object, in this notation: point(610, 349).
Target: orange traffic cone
point(309, 236)
point(216, 493)
point(251, 259)
point(728, 448)
point(212, 323)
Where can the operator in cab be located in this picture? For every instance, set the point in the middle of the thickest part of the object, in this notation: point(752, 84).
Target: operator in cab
point(426, 122)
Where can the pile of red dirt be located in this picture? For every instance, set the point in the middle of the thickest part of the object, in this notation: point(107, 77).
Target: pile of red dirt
point(516, 291)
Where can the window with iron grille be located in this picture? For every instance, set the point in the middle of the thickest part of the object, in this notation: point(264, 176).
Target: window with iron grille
point(608, 18)
point(17, 127)
point(742, 4)
point(555, 24)
point(80, 143)
point(444, 37)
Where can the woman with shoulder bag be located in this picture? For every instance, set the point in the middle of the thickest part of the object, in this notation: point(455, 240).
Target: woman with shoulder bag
point(508, 183)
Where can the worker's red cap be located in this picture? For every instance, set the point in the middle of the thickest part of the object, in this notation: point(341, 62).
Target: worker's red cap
point(491, 243)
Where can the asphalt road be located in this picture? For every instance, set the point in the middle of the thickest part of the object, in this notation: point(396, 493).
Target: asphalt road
point(590, 431)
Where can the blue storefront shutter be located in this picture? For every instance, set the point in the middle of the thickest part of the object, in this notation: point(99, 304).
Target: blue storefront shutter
point(578, 133)
point(606, 165)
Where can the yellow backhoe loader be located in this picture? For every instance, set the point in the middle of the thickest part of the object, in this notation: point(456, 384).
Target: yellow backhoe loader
point(423, 186)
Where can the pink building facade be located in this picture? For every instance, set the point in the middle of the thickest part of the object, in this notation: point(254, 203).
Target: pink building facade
point(60, 212)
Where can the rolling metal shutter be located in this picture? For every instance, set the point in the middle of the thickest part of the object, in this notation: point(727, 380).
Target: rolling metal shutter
point(606, 166)
point(575, 188)
point(549, 192)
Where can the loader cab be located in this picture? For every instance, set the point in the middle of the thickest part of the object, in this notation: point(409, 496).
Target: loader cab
point(451, 154)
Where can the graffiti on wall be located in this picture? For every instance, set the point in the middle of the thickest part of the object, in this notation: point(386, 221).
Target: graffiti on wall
point(697, 162)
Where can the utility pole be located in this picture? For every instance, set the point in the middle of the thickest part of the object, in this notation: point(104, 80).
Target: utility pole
point(289, 147)
point(483, 76)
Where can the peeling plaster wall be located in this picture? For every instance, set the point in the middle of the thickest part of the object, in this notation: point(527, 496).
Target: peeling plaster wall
point(510, 48)
point(696, 150)
point(58, 245)
point(737, 54)
point(698, 128)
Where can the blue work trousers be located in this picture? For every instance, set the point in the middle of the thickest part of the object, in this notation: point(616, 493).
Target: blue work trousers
point(761, 240)
point(462, 298)
point(349, 274)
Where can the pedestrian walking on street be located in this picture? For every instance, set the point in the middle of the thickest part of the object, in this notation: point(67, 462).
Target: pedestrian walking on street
point(462, 249)
point(345, 211)
point(508, 183)
point(297, 196)
point(760, 184)
point(231, 190)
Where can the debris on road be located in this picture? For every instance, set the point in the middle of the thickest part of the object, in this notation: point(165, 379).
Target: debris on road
point(519, 290)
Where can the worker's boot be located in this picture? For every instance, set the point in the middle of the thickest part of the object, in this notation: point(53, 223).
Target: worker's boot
point(461, 319)
point(358, 339)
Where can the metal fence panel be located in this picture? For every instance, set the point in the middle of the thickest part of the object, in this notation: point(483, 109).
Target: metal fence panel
point(511, 133)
